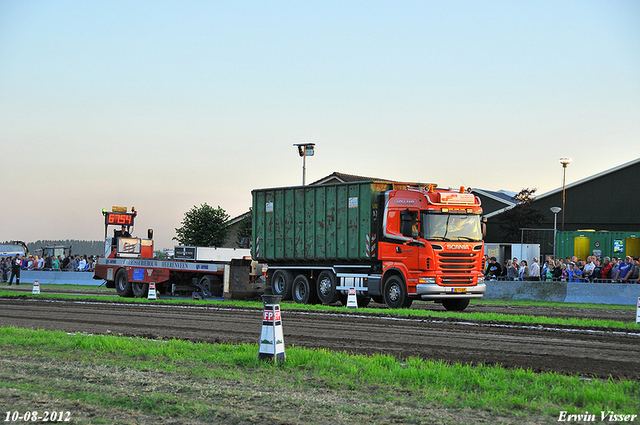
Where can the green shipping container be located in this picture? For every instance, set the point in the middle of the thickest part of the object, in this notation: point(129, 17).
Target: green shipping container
point(324, 224)
point(602, 243)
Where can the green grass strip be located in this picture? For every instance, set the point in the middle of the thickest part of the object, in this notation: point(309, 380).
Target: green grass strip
point(403, 312)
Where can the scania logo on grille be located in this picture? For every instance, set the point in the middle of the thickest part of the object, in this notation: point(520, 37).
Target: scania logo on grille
point(457, 246)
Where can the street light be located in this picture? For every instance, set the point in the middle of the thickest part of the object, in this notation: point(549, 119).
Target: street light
point(555, 211)
point(564, 162)
point(305, 150)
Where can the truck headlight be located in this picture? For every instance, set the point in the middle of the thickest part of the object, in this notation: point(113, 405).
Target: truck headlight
point(427, 280)
point(480, 279)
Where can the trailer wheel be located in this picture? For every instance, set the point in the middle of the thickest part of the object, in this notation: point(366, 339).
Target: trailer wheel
point(327, 293)
point(395, 293)
point(302, 291)
point(123, 286)
point(140, 289)
point(455, 305)
point(281, 282)
point(212, 284)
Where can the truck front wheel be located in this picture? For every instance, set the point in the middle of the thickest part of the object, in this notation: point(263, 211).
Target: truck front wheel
point(395, 293)
point(327, 293)
point(455, 305)
point(302, 291)
point(123, 286)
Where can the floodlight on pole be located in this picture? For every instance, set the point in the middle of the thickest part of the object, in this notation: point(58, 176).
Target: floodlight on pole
point(564, 162)
point(305, 150)
point(555, 211)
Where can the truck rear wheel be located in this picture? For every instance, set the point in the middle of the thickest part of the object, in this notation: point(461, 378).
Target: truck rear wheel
point(281, 282)
point(140, 289)
point(455, 305)
point(302, 291)
point(395, 293)
point(363, 300)
point(123, 286)
point(327, 293)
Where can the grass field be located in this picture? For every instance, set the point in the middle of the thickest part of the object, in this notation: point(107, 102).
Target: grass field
point(103, 379)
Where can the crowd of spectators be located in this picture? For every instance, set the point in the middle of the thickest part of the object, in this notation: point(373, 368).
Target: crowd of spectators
point(76, 263)
point(570, 269)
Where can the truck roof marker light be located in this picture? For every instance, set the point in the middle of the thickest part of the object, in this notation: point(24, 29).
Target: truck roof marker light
point(469, 210)
point(430, 189)
point(445, 210)
point(461, 189)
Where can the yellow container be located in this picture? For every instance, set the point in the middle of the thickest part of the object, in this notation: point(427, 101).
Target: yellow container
point(581, 247)
point(633, 246)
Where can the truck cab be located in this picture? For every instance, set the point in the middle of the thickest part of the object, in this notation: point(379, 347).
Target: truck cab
point(432, 240)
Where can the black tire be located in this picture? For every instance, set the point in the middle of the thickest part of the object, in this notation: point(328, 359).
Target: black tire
point(123, 286)
point(363, 300)
point(212, 284)
point(326, 285)
point(140, 289)
point(281, 282)
point(456, 305)
point(302, 291)
point(395, 293)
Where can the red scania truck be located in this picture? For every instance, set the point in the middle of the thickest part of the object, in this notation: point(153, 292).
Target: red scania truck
point(394, 242)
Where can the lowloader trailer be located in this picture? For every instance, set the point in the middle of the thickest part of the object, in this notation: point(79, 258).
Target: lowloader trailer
point(393, 242)
point(129, 265)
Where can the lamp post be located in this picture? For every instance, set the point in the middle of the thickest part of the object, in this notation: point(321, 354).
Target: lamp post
point(305, 150)
point(564, 162)
point(555, 211)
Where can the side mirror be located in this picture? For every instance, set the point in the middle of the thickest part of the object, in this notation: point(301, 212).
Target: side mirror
point(484, 227)
point(149, 233)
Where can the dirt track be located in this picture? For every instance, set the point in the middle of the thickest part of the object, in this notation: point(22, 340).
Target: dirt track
point(590, 352)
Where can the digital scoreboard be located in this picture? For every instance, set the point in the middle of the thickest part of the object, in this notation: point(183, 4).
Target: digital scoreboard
point(119, 216)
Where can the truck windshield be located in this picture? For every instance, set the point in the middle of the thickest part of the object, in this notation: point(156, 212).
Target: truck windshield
point(451, 227)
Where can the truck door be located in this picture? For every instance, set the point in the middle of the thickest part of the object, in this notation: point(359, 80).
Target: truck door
point(411, 250)
point(399, 244)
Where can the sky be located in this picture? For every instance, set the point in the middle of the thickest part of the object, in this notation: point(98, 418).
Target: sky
point(168, 105)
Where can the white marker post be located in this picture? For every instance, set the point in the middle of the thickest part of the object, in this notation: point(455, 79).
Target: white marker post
point(638, 312)
point(272, 337)
point(151, 295)
point(352, 300)
point(36, 287)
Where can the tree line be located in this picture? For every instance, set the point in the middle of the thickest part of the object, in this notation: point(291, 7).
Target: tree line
point(80, 247)
point(202, 226)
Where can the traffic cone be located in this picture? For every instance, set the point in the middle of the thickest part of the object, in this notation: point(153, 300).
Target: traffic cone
point(271, 337)
point(352, 301)
point(36, 287)
point(151, 295)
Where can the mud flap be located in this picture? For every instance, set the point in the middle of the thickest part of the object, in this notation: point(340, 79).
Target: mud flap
point(237, 282)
